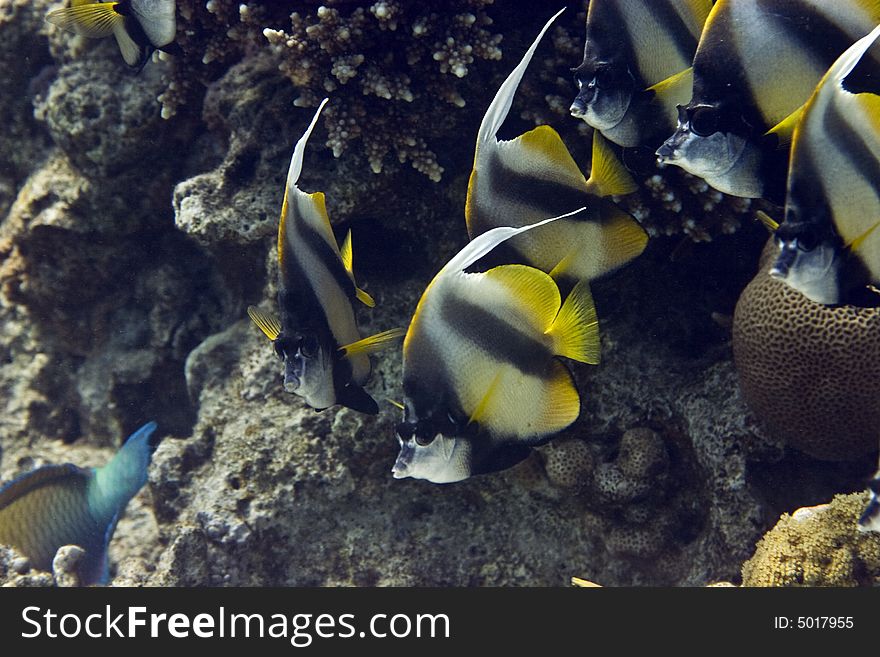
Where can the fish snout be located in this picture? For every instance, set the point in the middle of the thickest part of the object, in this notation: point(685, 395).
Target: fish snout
point(670, 150)
point(784, 261)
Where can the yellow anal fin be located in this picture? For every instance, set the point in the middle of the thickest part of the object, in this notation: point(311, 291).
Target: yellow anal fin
point(95, 20)
point(534, 289)
point(769, 222)
point(608, 176)
point(485, 405)
point(676, 89)
point(345, 252)
point(623, 237)
point(268, 324)
point(562, 402)
point(575, 331)
point(373, 343)
point(784, 130)
point(584, 583)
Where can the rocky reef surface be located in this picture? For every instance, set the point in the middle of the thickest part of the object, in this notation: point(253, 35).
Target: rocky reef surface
point(131, 245)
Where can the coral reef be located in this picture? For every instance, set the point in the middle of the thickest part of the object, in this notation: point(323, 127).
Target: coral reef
point(817, 546)
point(810, 372)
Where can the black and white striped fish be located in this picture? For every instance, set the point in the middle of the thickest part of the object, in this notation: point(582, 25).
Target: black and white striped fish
point(140, 26)
point(870, 519)
point(481, 377)
point(757, 63)
point(518, 182)
point(637, 66)
point(829, 239)
point(325, 360)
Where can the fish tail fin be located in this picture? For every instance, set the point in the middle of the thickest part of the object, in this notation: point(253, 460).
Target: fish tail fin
point(96, 20)
point(563, 403)
point(608, 176)
point(120, 479)
point(575, 330)
point(500, 105)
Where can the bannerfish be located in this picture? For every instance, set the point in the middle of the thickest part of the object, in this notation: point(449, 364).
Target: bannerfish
point(481, 377)
point(637, 66)
point(59, 505)
point(870, 519)
point(757, 63)
point(325, 360)
point(518, 182)
point(140, 26)
point(829, 242)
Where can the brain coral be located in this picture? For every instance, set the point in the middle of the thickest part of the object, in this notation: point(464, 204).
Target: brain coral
point(810, 372)
point(817, 546)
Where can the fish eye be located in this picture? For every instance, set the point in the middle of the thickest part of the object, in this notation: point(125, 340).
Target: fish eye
point(704, 121)
point(807, 241)
point(308, 346)
point(425, 440)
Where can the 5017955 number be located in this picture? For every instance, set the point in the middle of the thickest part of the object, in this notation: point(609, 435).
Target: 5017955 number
point(813, 622)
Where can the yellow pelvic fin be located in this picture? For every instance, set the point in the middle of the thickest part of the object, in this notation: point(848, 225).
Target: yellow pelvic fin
point(608, 175)
point(531, 287)
point(784, 130)
point(92, 20)
point(372, 344)
point(769, 222)
point(563, 404)
point(268, 324)
point(676, 89)
point(485, 405)
point(396, 404)
point(347, 256)
point(575, 330)
point(858, 241)
point(624, 237)
point(545, 141)
point(584, 583)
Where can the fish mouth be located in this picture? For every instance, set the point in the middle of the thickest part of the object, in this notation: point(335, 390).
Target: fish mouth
point(669, 151)
point(401, 467)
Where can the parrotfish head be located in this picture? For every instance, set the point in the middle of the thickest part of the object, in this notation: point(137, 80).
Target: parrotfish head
point(308, 368)
point(714, 147)
point(808, 264)
point(605, 91)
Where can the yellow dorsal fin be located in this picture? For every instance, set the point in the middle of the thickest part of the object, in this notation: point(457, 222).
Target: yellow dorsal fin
point(584, 583)
point(485, 405)
point(858, 241)
point(532, 287)
point(608, 176)
point(784, 130)
point(676, 89)
point(373, 343)
point(769, 222)
point(95, 20)
point(575, 330)
point(345, 252)
point(395, 403)
point(268, 324)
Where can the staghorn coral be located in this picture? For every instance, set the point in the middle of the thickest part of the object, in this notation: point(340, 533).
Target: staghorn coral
point(817, 546)
point(810, 372)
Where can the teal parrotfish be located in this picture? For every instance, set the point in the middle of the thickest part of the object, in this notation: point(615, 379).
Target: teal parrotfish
point(58, 505)
point(482, 379)
point(326, 362)
point(829, 239)
point(757, 63)
point(140, 26)
point(521, 181)
point(637, 66)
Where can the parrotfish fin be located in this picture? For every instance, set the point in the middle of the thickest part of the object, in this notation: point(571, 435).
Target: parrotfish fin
point(396, 404)
point(159, 23)
point(373, 343)
point(94, 20)
point(608, 176)
point(269, 325)
point(357, 399)
point(563, 401)
point(535, 289)
point(500, 105)
point(119, 480)
point(576, 328)
point(784, 130)
point(345, 252)
point(484, 243)
point(769, 222)
point(676, 89)
point(30, 481)
point(484, 408)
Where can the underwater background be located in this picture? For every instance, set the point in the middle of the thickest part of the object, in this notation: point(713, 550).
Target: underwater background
point(139, 216)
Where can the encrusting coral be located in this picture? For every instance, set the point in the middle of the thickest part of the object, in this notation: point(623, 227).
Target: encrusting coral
point(810, 372)
point(817, 546)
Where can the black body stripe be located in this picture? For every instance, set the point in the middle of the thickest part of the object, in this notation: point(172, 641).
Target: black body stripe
point(324, 253)
point(673, 24)
point(615, 44)
point(853, 146)
point(496, 337)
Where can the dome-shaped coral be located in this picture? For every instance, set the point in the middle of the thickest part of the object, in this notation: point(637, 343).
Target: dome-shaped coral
point(810, 372)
